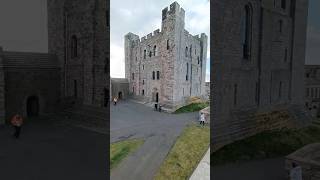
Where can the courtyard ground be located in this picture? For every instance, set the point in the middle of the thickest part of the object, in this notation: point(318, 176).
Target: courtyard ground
point(267, 169)
point(50, 149)
point(159, 130)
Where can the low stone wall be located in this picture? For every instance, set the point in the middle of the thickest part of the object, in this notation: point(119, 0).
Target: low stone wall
point(308, 158)
point(250, 122)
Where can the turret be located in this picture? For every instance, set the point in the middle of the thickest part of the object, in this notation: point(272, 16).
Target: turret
point(129, 40)
point(173, 16)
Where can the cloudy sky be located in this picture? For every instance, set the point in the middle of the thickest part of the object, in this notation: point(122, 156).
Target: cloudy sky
point(142, 17)
point(23, 25)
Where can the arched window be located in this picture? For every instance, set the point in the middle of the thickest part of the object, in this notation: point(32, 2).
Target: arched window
point(246, 29)
point(144, 54)
point(186, 52)
point(154, 50)
point(283, 4)
point(74, 46)
point(168, 44)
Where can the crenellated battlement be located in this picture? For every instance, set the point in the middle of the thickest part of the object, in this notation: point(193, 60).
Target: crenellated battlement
point(174, 10)
point(151, 35)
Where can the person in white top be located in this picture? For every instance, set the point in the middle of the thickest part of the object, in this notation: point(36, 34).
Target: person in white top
point(202, 119)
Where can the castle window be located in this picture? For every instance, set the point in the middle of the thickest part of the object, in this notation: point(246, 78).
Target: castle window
point(153, 75)
point(246, 29)
point(74, 46)
point(132, 76)
point(280, 26)
point(186, 52)
point(144, 54)
point(143, 92)
point(154, 50)
point(187, 72)
point(142, 67)
point(285, 55)
point(158, 75)
point(143, 82)
point(257, 93)
point(75, 88)
point(280, 89)
point(190, 50)
point(198, 60)
point(107, 18)
point(235, 95)
point(307, 75)
point(195, 51)
point(168, 44)
point(283, 4)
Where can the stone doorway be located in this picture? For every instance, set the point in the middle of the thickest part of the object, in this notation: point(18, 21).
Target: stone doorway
point(120, 95)
point(33, 106)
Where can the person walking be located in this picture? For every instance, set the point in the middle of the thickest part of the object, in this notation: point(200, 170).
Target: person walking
point(17, 122)
point(115, 100)
point(202, 119)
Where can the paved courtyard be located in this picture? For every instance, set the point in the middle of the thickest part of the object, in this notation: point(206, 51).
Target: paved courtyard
point(159, 130)
point(268, 169)
point(50, 150)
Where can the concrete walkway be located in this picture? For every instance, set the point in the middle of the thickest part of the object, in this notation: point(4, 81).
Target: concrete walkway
point(131, 120)
point(202, 172)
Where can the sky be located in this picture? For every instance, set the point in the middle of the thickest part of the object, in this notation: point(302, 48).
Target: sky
point(23, 25)
point(142, 17)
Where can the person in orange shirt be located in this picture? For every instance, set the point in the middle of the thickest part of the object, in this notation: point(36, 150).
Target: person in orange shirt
point(17, 122)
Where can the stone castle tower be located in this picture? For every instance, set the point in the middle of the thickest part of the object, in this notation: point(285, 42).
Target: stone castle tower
point(78, 34)
point(258, 67)
point(167, 66)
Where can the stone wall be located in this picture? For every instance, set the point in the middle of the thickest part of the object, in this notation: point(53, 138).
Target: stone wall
point(312, 91)
point(31, 75)
point(270, 76)
point(86, 75)
point(119, 88)
point(2, 90)
point(179, 57)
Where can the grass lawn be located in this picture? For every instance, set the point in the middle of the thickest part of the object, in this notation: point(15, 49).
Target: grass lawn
point(185, 155)
point(119, 150)
point(192, 107)
point(267, 144)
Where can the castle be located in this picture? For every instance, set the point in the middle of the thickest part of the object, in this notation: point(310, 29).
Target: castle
point(73, 74)
point(167, 66)
point(258, 68)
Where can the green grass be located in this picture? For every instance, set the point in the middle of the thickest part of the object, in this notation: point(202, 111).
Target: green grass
point(119, 150)
point(192, 107)
point(267, 144)
point(185, 155)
